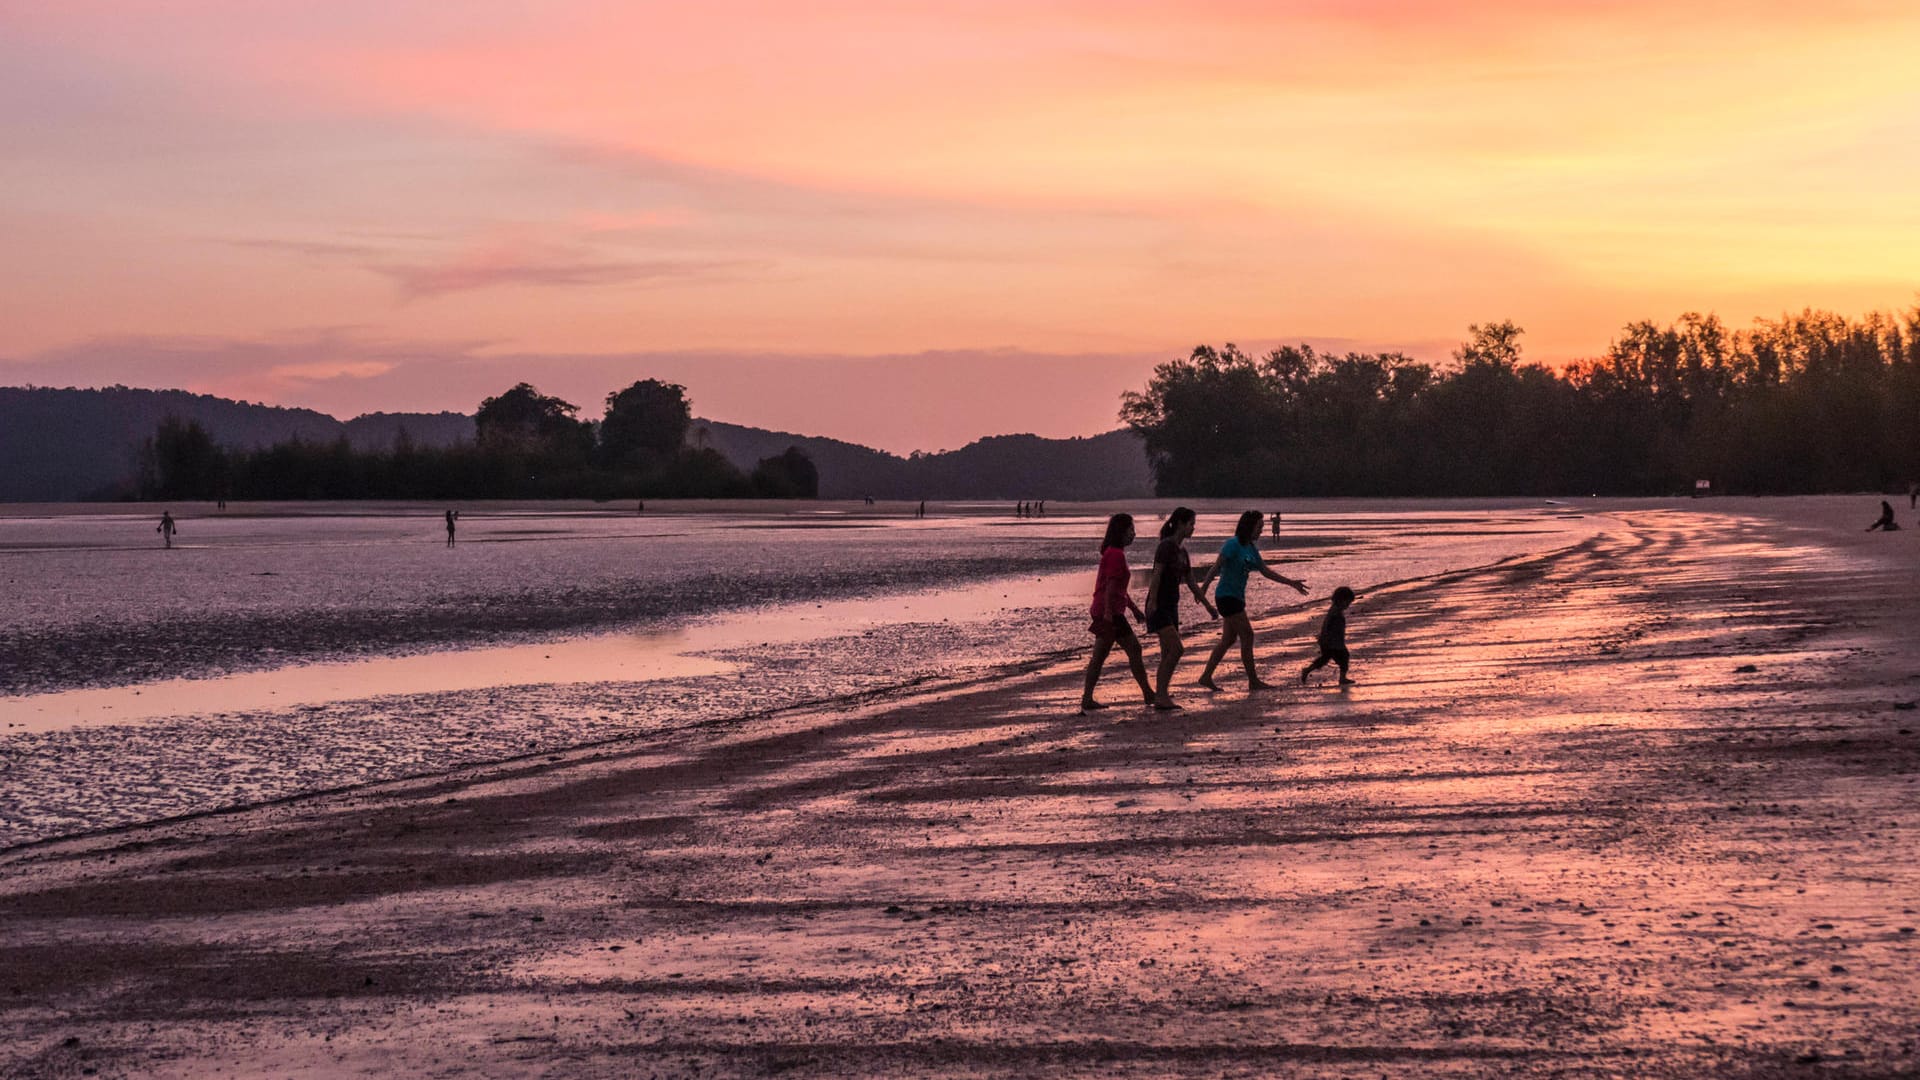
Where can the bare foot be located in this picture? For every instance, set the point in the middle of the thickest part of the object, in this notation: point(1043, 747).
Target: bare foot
point(1211, 686)
point(1346, 682)
point(1089, 705)
point(1258, 684)
point(1304, 672)
point(1168, 705)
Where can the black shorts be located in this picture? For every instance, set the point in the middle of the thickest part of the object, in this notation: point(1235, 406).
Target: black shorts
point(1163, 618)
point(1230, 605)
point(1116, 628)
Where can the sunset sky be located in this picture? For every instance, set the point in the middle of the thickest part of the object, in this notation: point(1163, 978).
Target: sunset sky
point(910, 224)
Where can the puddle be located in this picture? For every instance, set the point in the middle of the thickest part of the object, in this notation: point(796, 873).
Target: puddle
point(684, 651)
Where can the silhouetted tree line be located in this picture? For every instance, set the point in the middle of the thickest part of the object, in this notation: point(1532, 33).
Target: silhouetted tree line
point(1808, 403)
point(526, 445)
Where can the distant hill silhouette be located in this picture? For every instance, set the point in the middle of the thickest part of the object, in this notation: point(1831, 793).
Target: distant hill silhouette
point(1110, 466)
point(64, 445)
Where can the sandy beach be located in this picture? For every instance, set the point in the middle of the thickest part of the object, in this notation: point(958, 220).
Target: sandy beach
point(1643, 805)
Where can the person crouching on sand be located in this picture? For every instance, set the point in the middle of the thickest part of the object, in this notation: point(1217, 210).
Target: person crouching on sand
point(1333, 637)
point(1110, 606)
point(1239, 556)
point(1885, 523)
point(1171, 570)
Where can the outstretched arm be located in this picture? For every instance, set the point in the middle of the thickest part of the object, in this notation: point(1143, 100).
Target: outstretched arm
point(1125, 586)
point(1199, 591)
point(1298, 586)
point(1200, 594)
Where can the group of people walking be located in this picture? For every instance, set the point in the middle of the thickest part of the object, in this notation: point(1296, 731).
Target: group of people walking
point(1239, 559)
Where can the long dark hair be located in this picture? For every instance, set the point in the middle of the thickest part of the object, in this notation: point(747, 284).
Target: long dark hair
point(1248, 530)
point(1180, 516)
point(1117, 527)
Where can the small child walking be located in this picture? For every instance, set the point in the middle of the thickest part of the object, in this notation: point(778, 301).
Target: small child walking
point(1333, 637)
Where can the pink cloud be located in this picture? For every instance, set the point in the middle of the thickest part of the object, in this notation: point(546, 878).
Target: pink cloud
point(330, 369)
point(860, 177)
point(547, 267)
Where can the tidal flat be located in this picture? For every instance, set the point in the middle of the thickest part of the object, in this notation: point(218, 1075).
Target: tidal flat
point(1623, 789)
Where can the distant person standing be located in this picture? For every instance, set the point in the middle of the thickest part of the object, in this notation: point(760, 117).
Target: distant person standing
point(1885, 522)
point(1172, 569)
point(1332, 638)
point(1239, 557)
point(453, 517)
point(922, 511)
point(1111, 603)
point(1276, 524)
point(165, 528)
point(1913, 494)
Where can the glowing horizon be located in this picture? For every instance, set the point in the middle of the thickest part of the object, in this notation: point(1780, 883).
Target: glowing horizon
point(384, 200)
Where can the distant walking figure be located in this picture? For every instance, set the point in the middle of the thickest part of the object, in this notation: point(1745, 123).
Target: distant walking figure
point(640, 506)
point(1276, 524)
point(1239, 556)
point(1110, 606)
point(453, 516)
point(1333, 637)
point(1913, 494)
point(165, 528)
point(1171, 570)
point(1886, 522)
point(922, 512)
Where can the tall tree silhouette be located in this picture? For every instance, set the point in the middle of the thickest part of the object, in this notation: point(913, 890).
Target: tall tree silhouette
point(646, 422)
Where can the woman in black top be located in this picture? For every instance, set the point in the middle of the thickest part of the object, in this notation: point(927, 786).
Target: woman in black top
point(1171, 569)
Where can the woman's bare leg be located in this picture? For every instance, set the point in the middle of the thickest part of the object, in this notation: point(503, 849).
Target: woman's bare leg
point(1170, 653)
point(1101, 647)
point(1243, 628)
point(1219, 653)
point(1138, 661)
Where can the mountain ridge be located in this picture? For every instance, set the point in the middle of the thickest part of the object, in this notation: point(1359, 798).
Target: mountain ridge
point(78, 444)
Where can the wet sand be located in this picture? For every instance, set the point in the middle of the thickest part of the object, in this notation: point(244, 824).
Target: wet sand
point(82, 616)
point(1642, 806)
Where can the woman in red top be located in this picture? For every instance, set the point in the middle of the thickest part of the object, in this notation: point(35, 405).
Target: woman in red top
point(1110, 606)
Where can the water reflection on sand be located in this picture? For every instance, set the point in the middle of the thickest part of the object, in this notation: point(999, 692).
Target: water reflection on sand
point(865, 618)
point(1001, 618)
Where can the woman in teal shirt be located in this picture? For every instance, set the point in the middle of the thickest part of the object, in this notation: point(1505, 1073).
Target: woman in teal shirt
point(1239, 557)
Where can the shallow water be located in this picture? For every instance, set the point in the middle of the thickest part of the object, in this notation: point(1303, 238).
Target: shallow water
point(543, 630)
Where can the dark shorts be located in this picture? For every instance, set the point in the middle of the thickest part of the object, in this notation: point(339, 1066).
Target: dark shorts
point(1163, 618)
point(1230, 605)
point(1116, 628)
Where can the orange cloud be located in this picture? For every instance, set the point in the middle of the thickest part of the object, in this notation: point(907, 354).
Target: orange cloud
point(1120, 176)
